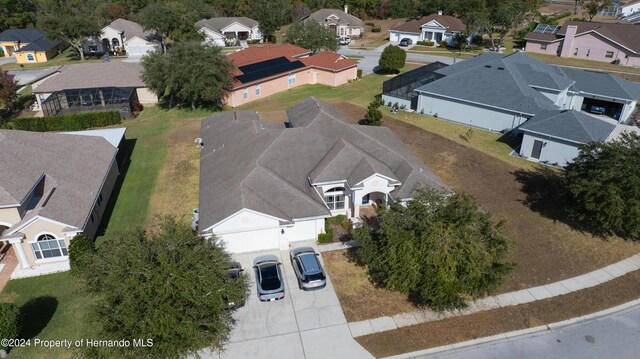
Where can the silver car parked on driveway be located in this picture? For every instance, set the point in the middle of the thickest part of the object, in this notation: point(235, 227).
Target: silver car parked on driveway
point(308, 269)
point(269, 279)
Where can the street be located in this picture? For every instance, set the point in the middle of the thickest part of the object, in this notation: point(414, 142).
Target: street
point(371, 57)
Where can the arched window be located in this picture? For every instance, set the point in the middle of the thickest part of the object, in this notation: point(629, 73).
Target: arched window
point(48, 246)
point(335, 198)
point(116, 43)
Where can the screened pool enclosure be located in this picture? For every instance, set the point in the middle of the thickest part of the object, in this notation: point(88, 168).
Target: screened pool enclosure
point(90, 100)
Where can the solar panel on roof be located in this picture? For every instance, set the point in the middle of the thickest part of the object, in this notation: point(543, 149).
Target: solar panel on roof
point(264, 72)
point(546, 29)
point(264, 64)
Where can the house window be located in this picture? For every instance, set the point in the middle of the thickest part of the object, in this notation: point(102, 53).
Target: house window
point(543, 46)
point(292, 79)
point(609, 54)
point(257, 90)
point(30, 57)
point(93, 48)
point(245, 94)
point(588, 52)
point(342, 31)
point(350, 31)
point(335, 198)
point(115, 42)
point(575, 52)
point(47, 246)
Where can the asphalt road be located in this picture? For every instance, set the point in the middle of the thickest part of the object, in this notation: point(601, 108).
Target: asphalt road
point(371, 57)
point(613, 336)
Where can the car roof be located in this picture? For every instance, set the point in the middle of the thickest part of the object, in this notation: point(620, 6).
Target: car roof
point(265, 258)
point(310, 262)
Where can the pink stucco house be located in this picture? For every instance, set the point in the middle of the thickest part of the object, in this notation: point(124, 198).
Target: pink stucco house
point(613, 43)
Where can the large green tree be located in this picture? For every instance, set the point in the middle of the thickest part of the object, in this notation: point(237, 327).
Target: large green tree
point(188, 73)
point(169, 286)
point(502, 16)
point(17, 14)
point(392, 59)
point(161, 18)
point(593, 6)
point(69, 21)
point(8, 94)
point(603, 184)
point(9, 324)
point(312, 36)
point(439, 249)
point(271, 14)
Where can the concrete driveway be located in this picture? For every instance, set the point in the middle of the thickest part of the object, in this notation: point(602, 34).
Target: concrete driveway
point(7, 60)
point(302, 325)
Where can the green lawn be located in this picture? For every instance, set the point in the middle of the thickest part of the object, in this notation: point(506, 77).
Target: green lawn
point(53, 308)
point(68, 56)
point(597, 65)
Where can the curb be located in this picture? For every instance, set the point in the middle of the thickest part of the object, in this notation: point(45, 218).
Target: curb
point(519, 333)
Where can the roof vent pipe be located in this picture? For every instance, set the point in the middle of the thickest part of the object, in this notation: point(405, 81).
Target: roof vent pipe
point(346, 8)
point(439, 12)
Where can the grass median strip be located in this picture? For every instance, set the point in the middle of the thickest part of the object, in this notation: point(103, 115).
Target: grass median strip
point(497, 321)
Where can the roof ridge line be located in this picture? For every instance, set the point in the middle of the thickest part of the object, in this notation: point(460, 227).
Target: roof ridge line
point(288, 184)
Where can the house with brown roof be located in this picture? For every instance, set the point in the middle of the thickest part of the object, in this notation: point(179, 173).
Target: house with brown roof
point(613, 43)
point(261, 71)
point(264, 185)
point(93, 86)
point(54, 186)
point(122, 35)
point(339, 22)
point(227, 31)
point(435, 28)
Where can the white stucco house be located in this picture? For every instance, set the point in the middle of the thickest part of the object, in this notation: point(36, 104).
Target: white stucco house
point(264, 185)
point(339, 22)
point(123, 35)
point(225, 31)
point(435, 28)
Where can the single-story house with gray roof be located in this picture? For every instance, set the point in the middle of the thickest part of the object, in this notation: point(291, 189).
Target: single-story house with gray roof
point(264, 184)
point(54, 186)
point(223, 31)
point(512, 92)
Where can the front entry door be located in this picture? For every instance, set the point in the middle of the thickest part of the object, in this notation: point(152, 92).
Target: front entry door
point(537, 149)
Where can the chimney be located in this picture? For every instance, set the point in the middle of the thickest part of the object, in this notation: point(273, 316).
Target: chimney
point(567, 43)
point(439, 12)
point(346, 8)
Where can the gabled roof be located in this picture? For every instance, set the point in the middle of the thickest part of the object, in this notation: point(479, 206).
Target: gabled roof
point(265, 167)
point(452, 24)
point(329, 60)
point(627, 35)
point(92, 75)
point(343, 18)
point(534, 36)
point(216, 24)
point(255, 54)
point(569, 125)
point(599, 83)
point(41, 44)
point(67, 171)
point(130, 29)
point(21, 35)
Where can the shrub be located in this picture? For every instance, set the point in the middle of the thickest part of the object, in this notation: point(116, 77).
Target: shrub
point(359, 73)
point(326, 237)
point(425, 43)
point(373, 117)
point(9, 321)
point(389, 104)
point(393, 58)
point(375, 29)
point(443, 44)
point(70, 122)
point(335, 220)
point(369, 23)
point(80, 249)
point(346, 224)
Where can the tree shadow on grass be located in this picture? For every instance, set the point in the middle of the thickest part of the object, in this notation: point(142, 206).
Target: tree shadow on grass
point(546, 194)
point(130, 144)
point(35, 315)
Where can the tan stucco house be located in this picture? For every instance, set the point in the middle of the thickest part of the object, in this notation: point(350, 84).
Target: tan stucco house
point(339, 22)
point(54, 186)
point(28, 45)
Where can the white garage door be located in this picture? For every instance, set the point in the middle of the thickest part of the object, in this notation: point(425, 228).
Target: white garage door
point(138, 50)
point(397, 36)
point(251, 241)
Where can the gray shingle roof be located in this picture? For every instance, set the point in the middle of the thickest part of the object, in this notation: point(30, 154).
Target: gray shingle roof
point(570, 125)
point(343, 18)
point(21, 35)
point(70, 169)
point(266, 167)
point(130, 29)
point(218, 23)
point(41, 44)
point(92, 75)
point(452, 24)
point(599, 83)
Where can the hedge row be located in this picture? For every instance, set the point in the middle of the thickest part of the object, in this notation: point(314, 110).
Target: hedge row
point(70, 122)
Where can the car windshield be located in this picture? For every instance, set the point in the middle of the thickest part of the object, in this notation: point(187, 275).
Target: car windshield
point(269, 275)
point(314, 277)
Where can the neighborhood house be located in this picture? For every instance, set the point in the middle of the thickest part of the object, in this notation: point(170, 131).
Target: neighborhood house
point(435, 28)
point(264, 184)
point(94, 86)
point(516, 93)
point(54, 186)
point(266, 70)
point(28, 45)
point(614, 43)
point(122, 36)
point(339, 22)
point(229, 31)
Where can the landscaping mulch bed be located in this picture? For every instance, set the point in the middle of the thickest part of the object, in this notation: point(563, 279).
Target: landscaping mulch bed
point(492, 322)
point(546, 250)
